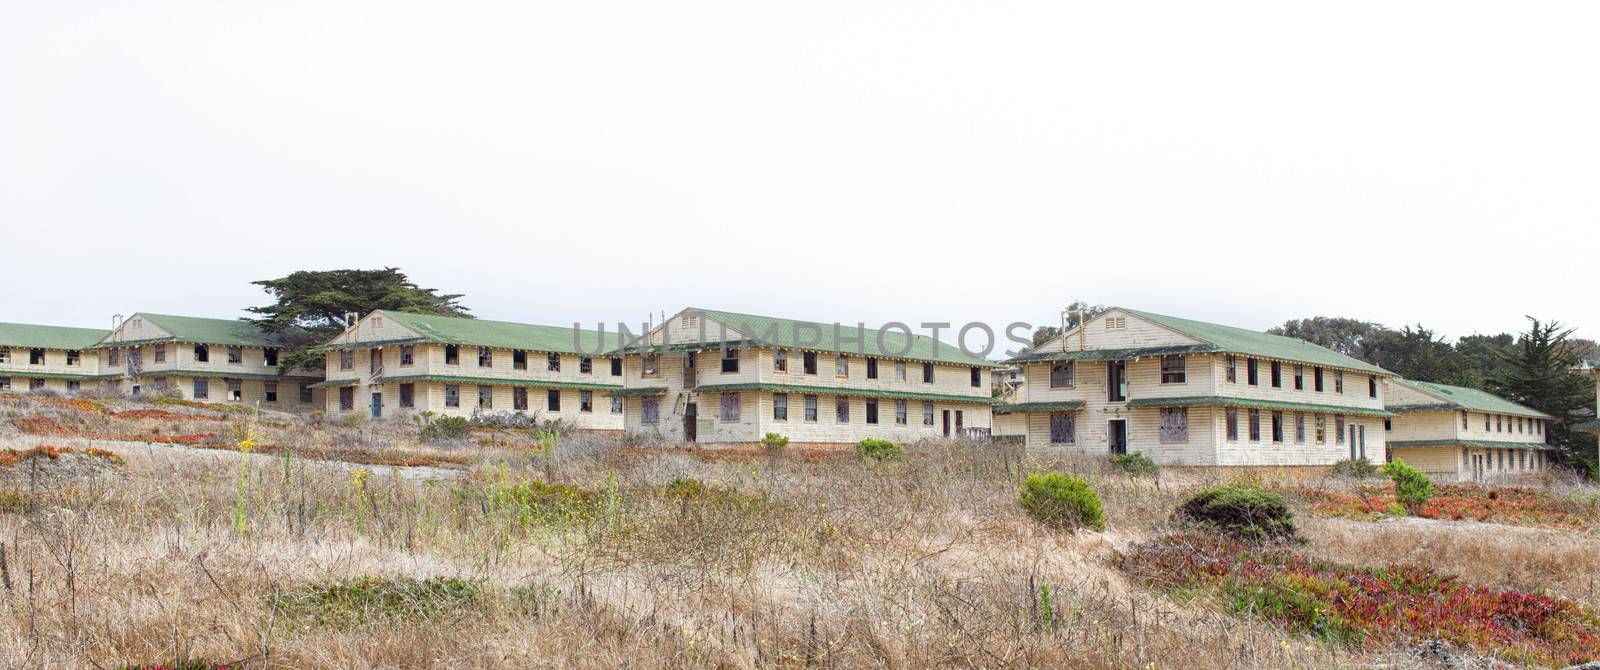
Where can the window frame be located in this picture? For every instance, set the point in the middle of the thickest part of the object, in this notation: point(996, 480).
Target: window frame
point(552, 400)
point(1063, 370)
point(780, 407)
point(1174, 369)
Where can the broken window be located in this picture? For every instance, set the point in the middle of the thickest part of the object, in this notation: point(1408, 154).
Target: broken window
point(1231, 364)
point(872, 368)
point(161, 353)
point(1372, 387)
point(35, 357)
point(5, 354)
point(552, 400)
point(1338, 429)
point(485, 357)
point(780, 360)
point(1063, 427)
point(1116, 381)
point(927, 373)
point(1063, 375)
point(652, 365)
point(1322, 429)
point(452, 354)
point(519, 360)
point(1299, 377)
point(585, 365)
point(650, 410)
point(305, 391)
point(408, 395)
point(35, 384)
point(114, 357)
point(452, 395)
point(808, 362)
point(1338, 381)
point(269, 391)
point(408, 354)
point(202, 389)
point(780, 407)
point(269, 357)
point(5, 383)
point(729, 406)
point(900, 412)
point(202, 353)
point(586, 401)
point(73, 357)
point(810, 408)
point(235, 355)
point(927, 413)
point(519, 399)
point(730, 360)
point(347, 359)
point(347, 399)
point(375, 362)
point(1299, 427)
point(485, 397)
point(74, 385)
point(552, 362)
point(1255, 425)
point(841, 366)
point(1277, 427)
point(900, 370)
point(841, 410)
point(616, 405)
point(1174, 425)
point(872, 411)
point(235, 389)
point(1174, 369)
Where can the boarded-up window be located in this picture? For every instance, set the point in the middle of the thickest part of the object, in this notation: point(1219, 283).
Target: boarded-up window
point(1063, 428)
point(1174, 369)
point(900, 412)
point(1063, 375)
point(585, 402)
point(1232, 421)
point(811, 408)
point(780, 407)
point(841, 410)
point(1322, 429)
point(485, 397)
point(1299, 428)
point(347, 359)
point(872, 411)
point(408, 395)
point(235, 354)
point(650, 410)
point(552, 400)
point(452, 395)
point(730, 406)
point(519, 399)
point(1174, 425)
point(927, 414)
point(1255, 425)
point(780, 360)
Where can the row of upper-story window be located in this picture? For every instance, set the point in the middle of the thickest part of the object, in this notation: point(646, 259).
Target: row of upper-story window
point(1174, 427)
point(452, 398)
point(1501, 423)
point(729, 364)
point(36, 356)
point(729, 410)
point(202, 354)
point(1175, 370)
point(37, 384)
point(1519, 459)
point(452, 356)
point(200, 389)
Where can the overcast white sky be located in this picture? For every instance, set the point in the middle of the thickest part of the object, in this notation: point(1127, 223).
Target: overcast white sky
point(1236, 162)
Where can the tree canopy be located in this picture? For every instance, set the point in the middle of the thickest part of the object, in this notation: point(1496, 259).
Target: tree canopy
point(319, 300)
point(1075, 311)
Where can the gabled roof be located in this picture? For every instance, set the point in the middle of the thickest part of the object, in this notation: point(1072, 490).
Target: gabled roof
point(787, 333)
point(48, 337)
point(1252, 343)
point(1461, 397)
point(503, 334)
point(203, 330)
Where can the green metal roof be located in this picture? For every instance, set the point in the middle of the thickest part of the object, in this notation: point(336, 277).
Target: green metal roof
point(1061, 406)
point(818, 336)
point(217, 374)
point(836, 391)
point(369, 344)
point(1253, 343)
point(331, 383)
point(1461, 397)
point(490, 381)
point(1114, 354)
point(48, 337)
point(17, 374)
point(1488, 444)
point(203, 330)
point(1226, 401)
point(646, 391)
point(504, 334)
point(1592, 425)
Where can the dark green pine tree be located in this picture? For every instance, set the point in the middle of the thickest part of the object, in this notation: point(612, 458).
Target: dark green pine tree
point(310, 306)
point(1537, 372)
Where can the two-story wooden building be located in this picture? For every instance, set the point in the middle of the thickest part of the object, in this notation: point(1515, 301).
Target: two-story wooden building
point(206, 360)
point(721, 377)
point(397, 363)
point(35, 358)
point(1193, 393)
point(1457, 433)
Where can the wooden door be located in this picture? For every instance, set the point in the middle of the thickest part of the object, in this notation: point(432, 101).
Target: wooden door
point(946, 416)
point(690, 421)
point(377, 405)
point(689, 370)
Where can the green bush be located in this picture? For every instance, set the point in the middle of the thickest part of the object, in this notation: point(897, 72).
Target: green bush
point(775, 441)
point(445, 428)
point(1360, 468)
point(1411, 488)
point(878, 449)
point(373, 600)
point(684, 487)
point(1134, 464)
point(1246, 513)
point(1061, 501)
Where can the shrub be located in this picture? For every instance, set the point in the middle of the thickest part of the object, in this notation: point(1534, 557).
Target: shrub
point(879, 449)
point(1360, 468)
point(368, 600)
point(1134, 464)
point(684, 487)
point(775, 441)
point(1411, 488)
point(1246, 513)
point(1061, 501)
point(446, 428)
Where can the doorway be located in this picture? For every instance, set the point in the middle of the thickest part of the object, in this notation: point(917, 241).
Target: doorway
point(691, 412)
point(1117, 435)
point(377, 405)
point(946, 415)
point(689, 369)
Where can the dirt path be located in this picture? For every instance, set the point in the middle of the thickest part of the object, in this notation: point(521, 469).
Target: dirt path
point(156, 453)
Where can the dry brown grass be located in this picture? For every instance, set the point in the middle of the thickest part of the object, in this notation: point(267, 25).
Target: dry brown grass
point(777, 563)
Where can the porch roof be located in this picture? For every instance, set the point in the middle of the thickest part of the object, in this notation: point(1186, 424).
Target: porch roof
point(1487, 444)
point(840, 391)
point(1252, 403)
